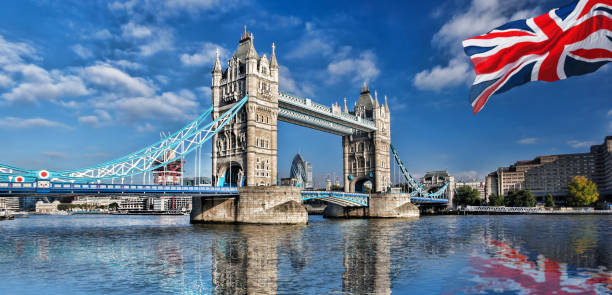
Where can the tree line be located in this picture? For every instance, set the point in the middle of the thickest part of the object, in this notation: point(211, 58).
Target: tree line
point(581, 192)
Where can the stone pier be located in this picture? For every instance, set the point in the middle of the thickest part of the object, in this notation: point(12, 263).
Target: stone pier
point(380, 206)
point(257, 204)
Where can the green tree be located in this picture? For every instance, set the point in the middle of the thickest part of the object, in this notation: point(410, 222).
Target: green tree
point(113, 206)
point(582, 192)
point(522, 198)
point(496, 200)
point(467, 196)
point(550, 202)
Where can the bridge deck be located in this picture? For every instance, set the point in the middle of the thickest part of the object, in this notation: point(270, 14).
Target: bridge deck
point(64, 189)
point(59, 188)
point(303, 111)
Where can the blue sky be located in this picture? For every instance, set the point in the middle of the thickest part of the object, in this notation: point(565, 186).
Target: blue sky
point(83, 82)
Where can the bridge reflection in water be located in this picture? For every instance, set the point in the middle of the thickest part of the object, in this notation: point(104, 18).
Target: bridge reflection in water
point(428, 255)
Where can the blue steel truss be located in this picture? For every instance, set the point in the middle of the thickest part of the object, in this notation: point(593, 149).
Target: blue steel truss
point(175, 146)
point(419, 194)
point(340, 198)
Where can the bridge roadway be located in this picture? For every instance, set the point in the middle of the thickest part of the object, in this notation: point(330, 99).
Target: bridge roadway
point(304, 112)
point(47, 188)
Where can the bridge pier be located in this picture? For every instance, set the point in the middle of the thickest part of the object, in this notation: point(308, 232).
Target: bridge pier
point(258, 204)
point(380, 206)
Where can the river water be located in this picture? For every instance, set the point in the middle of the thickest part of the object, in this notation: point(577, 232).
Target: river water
point(102, 254)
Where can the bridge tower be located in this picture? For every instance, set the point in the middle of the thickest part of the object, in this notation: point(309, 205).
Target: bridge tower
point(367, 154)
point(244, 152)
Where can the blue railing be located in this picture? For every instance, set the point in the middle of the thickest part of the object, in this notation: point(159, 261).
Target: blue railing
point(10, 188)
point(343, 199)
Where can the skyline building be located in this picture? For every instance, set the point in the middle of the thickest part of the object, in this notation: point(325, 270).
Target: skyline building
point(301, 171)
point(552, 173)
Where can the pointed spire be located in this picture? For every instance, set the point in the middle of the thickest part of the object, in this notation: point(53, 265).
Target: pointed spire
point(386, 105)
point(365, 88)
point(251, 53)
point(376, 98)
point(217, 67)
point(345, 108)
point(273, 62)
point(244, 35)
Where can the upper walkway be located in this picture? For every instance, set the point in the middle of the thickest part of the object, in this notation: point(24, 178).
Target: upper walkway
point(304, 112)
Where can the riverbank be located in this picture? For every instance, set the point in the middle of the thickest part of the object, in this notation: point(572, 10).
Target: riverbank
point(493, 210)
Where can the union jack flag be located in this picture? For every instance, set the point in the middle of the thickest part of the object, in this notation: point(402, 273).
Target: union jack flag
point(568, 41)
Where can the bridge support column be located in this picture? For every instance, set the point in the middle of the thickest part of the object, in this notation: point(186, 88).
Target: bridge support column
point(380, 206)
point(260, 204)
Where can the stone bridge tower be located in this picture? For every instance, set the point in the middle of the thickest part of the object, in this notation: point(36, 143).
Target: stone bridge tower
point(244, 152)
point(366, 154)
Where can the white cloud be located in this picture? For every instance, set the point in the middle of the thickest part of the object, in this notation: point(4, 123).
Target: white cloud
point(102, 34)
point(457, 72)
point(162, 9)
point(527, 140)
point(103, 115)
point(115, 79)
point(98, 120)
point(147, 127)
point(13, 53)
point(480, 17)
point(169, 106)
point(149, 39)
point(89, 120)
point(290, 85)
point(132, 30)
point(29, 82)
point(580, 144)
point(5, 81)
point(610, 113)
point(82, 51)
point(313, 42)
point(126, 64)
point(15, 122)
point(38, 84)
point(206, 55)
point(362, 68)
point(191, 5)
point(206, 96)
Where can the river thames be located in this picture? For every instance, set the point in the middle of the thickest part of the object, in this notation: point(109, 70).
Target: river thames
point(104, 254)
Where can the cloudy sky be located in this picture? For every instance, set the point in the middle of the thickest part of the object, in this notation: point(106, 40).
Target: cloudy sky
point(87, 81)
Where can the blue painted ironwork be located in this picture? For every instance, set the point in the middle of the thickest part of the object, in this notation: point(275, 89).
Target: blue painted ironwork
point(66, 188)
point(172, 148)
point(419, 195)
point(303, 111)
point(340, 198)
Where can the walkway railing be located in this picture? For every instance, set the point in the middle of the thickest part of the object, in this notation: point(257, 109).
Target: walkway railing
point(62, 188)
point(532, 210)
point(340, 198)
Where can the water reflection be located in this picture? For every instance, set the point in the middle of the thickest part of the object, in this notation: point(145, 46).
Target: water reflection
point(508, 269)
point(245, 258)
point(427, 255)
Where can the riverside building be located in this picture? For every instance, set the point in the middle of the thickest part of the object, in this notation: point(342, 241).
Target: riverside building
point(551, 174)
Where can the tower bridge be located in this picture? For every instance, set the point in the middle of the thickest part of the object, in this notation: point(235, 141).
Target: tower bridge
point(246, 106)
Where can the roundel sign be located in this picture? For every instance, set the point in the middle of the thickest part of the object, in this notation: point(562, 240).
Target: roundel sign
point(43, 174)
point(19, 179)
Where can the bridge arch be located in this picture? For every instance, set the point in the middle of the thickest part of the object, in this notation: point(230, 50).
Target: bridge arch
point(358, 185)
point(231, 174)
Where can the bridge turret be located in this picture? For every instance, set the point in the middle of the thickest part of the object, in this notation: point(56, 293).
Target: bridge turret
point(244, 152)
point(273, 64)
point(216, 81)
point(366, 154)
